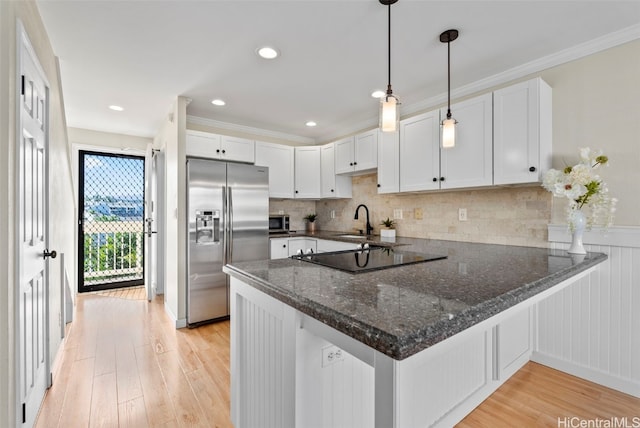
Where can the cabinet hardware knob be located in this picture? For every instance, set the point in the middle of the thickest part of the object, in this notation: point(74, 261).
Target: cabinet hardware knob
point(379, 185)
point(355, 163)
point(224, 151)
point(284, 245)
point(532, 169)
point(296, 191)
point(350, 163)
point(217, 150)
point(435, 179)
point(441, 178)
point(332, 190)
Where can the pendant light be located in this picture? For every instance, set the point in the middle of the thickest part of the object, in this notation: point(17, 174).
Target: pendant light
point(449, 124)
point(389, 104)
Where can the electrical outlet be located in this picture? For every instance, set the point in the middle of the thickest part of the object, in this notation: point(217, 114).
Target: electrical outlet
point(462, 214)
point(280, 211)
point(331, 355)
point(333, 213)
point(397, 214)
point(418, 214)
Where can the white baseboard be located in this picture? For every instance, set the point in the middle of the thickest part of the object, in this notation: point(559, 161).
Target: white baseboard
point(179, 323)
point(620, 384)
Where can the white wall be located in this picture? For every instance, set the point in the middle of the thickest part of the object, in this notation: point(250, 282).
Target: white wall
point(62, 204)
point(172, 138)
point(595, 104)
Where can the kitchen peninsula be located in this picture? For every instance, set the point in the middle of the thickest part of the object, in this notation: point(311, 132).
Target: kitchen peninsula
point(417, 345)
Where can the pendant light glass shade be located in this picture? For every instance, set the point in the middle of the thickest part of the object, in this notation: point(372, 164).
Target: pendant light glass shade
point(389, 113)
point(448, 133)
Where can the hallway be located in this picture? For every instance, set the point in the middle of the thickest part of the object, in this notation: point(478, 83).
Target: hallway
point(124, 365)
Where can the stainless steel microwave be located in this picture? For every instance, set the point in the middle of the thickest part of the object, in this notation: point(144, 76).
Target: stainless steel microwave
point(278, 223)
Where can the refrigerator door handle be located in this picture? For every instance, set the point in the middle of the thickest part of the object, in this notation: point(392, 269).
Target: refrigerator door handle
point(230, 236)
point(225, 221)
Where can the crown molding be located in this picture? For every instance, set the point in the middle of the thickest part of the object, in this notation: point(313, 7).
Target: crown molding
point(196, 120)
point(562, 57)
point(573, 53)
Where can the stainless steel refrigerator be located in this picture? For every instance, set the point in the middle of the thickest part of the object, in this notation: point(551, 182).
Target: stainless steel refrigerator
point(228, 209)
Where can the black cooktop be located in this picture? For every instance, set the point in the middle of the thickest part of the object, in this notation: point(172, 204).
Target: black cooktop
point(374, 258)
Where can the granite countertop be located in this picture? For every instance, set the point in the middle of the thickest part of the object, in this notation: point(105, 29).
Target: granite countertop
point(403, 310)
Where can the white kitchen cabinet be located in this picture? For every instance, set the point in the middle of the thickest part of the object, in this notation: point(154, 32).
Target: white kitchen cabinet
point(357, 155)
point(514, 343)
point(420, 152)
point(279, 248)
point(388, 162)
point(307, 172)
point(470, 162)
point(333, 186)
point(522, 132)
point(279, 159)
point(221, 147)
point(326, 245)
point(304, 244)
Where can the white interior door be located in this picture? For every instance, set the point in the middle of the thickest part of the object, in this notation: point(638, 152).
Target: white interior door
point(150, 248)
point(33, 340)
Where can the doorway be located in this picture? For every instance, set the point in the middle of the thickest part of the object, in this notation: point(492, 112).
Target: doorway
point(111, 221)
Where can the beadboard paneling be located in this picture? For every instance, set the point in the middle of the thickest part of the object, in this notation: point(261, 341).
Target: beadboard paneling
point(592, 328)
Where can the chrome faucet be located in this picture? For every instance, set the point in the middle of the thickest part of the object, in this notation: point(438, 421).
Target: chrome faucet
point(355, 217)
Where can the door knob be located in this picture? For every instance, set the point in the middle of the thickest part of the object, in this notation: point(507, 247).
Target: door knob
point(48, 253)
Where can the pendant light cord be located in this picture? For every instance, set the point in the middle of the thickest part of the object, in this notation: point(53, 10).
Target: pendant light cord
point(449, 80)
point(389, 92)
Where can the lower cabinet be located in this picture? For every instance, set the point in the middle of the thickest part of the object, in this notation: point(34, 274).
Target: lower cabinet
point(304, 244)
point(325, 246)
point(279, 248)
point(291, 370)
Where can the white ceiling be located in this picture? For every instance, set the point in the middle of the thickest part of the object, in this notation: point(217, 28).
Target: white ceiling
point(141, 55)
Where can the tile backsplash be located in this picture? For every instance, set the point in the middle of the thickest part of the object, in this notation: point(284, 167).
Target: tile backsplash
point(296, 208)
point(505, 215)
point(511, 216)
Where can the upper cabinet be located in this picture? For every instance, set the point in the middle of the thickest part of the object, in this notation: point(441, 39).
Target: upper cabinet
point(279, 159)
point(222, 147)
point(420, 152)
point(388, 162)
point(332, 185)
point(358, 154)
point(307, 172)
point(470, 162)
point(522, 132)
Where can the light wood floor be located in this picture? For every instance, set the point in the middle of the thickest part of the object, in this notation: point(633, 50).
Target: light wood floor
point(124, 365)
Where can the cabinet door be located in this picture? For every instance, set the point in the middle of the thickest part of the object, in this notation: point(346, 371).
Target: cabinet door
point(420, 152)
point(522, 132)
point(279, 248)
point(470, 162)
point(203, 144)
point(332, 186)
point(366, 151)
point(388, 162)
point(307, 172)
point(279, 159)
point(237, 149)
point(344, 152)
point(326, 245)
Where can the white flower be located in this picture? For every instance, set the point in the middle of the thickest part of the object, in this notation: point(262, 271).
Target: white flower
point(583, 187)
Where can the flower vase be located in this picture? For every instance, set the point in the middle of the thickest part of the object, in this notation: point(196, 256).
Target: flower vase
point(311, 227)
point(578, 223)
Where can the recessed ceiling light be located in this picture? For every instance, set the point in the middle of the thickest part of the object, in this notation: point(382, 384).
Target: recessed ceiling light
point(116, 108)
point(267, 52)
point(378, 94)
point(218, 102)
point(311, 123)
